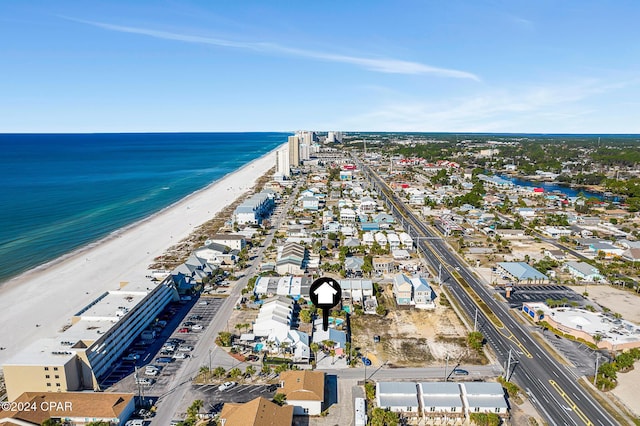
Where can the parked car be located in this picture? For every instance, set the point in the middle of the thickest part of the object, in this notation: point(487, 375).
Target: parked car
point(226, 385)
point(183, 330)
point(186, 348)
point(460, 372)
point(131, 357)
point(164, 360)
point(145, 381)
point(204, 302)
point(181, 355)
point(197, 327)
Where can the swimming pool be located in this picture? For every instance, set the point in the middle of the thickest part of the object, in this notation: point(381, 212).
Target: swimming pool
point(258, 347)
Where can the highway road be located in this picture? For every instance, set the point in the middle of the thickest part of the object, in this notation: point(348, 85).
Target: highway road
point(169, 404)
point(552, 388)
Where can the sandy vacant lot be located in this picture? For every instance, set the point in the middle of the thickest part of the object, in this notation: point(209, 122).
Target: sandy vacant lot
point(411, 338)
point(620, 301)
point(628, 390)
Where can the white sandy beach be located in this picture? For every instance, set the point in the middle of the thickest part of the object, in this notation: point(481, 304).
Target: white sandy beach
point(49, 296)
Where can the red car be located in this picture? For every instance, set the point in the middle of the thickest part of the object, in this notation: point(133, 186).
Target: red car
point(183, 330)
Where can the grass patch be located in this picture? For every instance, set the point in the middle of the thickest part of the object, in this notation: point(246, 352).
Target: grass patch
point(483, 306)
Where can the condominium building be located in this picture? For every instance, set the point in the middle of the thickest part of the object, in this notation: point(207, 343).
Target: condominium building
point(283, 165)
point(81, 356)
point(294, 151)
point(254, 209)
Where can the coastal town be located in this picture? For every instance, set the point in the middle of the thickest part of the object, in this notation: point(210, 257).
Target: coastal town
point(484, 280)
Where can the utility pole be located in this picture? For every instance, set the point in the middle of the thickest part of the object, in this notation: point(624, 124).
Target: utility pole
point(475, 321)
point(440, 274)
point(595, 376)
point(508, 367)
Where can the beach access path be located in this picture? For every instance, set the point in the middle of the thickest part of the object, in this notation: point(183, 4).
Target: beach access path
point(39, 303)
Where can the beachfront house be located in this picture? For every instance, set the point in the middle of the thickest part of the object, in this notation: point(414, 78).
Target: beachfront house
point(233, 241)
point(217, 254)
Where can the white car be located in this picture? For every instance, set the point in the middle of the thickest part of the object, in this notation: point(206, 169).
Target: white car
point(204, 302)
point(145, 381)
point(226, 385)
point(197, 327)
point(185, 348)
point(181, 355)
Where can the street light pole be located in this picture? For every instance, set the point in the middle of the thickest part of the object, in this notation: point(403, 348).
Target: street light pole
point(210, 372)
point(595, 376)
point(446, 367)
point(475, 321)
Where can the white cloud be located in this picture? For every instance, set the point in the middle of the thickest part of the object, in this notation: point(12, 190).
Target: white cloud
point(384, 65)
point(529, 109)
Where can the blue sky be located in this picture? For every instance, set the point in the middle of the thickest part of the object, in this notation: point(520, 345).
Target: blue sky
point(461, 66)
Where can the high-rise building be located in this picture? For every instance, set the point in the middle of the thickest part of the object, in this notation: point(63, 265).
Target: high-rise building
point(305, 151)
point(294, 151)
point(282, 163)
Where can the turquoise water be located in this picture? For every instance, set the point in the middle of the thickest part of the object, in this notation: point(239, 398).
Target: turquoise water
point(258, 347)
point(60, 192)
point(550, 187)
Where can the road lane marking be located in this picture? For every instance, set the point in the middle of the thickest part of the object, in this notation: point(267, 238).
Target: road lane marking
point(572, 404)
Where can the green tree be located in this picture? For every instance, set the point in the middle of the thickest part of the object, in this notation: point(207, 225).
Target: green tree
point(305, 316)
point(280, 398)
point(192, 412)
point(224, 339)
point(314, 348)
point(250, 371)
point(370, 391)
point(609, 370)
point(234, 373)
point(219, 372)
point(380, 417)
point(475, 340)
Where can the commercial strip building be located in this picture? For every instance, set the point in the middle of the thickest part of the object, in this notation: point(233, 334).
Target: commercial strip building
point(614, 334)
point(522, 272)
point(442, 401)
point(70, 408)
point(79, 357)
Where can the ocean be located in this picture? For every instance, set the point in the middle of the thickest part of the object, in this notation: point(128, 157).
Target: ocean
point(59, 192)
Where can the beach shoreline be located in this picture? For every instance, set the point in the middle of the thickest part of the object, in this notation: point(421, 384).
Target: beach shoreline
point(40, 302)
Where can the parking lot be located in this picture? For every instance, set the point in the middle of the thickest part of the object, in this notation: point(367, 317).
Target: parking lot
point(539, 293)
point(214, 399)
point(198, 312)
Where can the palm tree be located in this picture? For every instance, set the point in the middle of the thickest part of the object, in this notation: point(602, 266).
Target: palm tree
point(218, 372)
point(234, 373)
point(250, 371)
point(315, 348)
